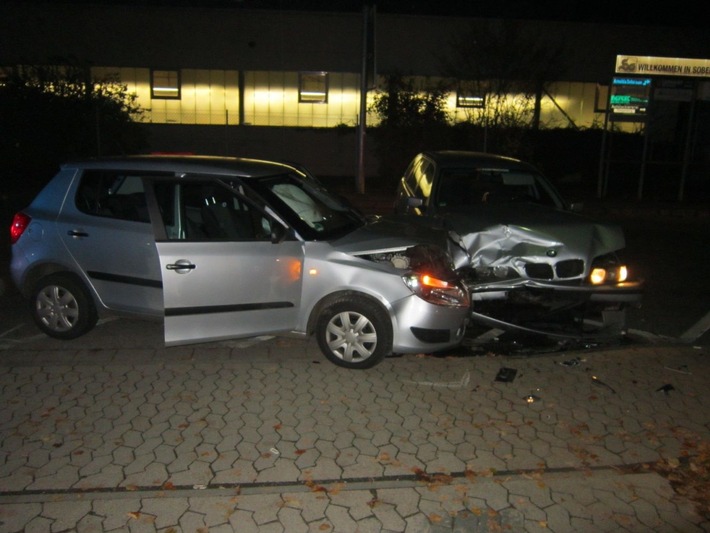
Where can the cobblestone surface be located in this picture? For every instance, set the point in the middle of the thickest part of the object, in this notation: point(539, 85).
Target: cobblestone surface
point(106, 434)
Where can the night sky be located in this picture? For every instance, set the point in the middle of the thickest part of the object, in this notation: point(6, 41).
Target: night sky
point(677, 13)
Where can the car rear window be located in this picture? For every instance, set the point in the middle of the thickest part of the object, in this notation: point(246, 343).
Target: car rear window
point(112, 194)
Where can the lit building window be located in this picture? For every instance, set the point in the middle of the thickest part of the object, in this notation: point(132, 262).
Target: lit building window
point(313, 87)
point(468, 98)
point(165, 84)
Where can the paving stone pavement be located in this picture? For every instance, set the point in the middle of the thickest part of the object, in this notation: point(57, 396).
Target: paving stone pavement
point(107, 434)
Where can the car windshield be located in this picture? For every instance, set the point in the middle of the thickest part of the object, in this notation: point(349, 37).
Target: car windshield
point(464, 187)
point(311, 210)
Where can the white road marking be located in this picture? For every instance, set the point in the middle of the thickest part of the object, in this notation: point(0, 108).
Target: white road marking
point(10, 330)
point(697, 330)
point(460, 384)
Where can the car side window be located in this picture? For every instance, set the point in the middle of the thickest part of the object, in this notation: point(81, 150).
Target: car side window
point(113, 194)
point(424, 180)
point(209, 211)
point(410, 176)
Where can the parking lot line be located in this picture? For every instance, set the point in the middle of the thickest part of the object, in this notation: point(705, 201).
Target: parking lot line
point(697, 330)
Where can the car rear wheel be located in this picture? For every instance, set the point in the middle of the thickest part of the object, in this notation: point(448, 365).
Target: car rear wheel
point(62, 308)
point(354, 333)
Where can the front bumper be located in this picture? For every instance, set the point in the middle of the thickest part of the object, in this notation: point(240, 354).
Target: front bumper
point(422, 327)
point(555, 310)
point(626, 292)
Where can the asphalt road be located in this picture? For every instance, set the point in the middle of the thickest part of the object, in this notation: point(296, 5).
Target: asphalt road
point(671, 255)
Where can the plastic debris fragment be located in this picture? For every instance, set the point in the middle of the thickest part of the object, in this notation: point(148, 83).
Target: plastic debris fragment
point(596, 380)
point(571, 362)
point(506, 375)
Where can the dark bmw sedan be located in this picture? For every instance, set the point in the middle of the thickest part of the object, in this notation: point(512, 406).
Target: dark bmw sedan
point(530, 262)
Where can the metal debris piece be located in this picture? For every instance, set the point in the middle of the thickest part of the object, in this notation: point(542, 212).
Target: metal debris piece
point(506, 375)
point(596, 380)
point(666, 388)
point(571, 362)
point(682, 369)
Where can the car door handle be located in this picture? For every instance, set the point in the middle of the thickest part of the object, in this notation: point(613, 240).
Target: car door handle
point(181, 266)
point(77, 233)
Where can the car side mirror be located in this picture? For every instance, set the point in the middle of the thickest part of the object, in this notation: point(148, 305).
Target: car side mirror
point(278, 233)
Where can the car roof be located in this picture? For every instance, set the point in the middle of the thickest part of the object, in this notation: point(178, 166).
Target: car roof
point(459, 158)
point(194, 164)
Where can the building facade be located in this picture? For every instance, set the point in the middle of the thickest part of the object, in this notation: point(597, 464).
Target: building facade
point(287, 84)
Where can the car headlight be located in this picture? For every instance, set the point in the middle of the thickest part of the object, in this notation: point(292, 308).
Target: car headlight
point(607, 269)
point(437, 291)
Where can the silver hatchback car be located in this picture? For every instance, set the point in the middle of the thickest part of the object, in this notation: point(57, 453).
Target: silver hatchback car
point(223, 247)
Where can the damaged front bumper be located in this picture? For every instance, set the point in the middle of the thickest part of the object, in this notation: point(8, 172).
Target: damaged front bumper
point(555, 310)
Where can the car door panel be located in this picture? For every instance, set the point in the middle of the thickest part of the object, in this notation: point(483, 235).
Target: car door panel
point(223, 277)
point(218, 290)
point(116, 252)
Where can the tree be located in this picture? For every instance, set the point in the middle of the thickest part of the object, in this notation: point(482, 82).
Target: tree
point(51, 114)
point(500, 58)
point(410, 119)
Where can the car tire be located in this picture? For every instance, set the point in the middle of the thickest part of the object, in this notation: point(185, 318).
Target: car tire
point(354, 333)
point(62, 308)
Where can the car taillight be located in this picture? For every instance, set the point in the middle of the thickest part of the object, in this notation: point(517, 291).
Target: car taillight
point(19, 224)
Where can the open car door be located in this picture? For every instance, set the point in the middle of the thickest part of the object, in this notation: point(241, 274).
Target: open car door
point(227, 269)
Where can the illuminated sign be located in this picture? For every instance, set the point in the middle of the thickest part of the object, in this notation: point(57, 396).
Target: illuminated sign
point(663, 66)
point(629, 96)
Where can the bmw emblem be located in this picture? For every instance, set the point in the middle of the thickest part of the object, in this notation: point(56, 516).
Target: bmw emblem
point(551, 253)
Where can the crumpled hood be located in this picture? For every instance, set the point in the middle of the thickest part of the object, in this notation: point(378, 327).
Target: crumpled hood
point(530, 231)
point(389, 233)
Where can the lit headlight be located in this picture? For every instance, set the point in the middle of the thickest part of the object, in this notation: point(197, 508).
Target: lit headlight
point(437, 291)
point(623, 273)
point(615, 274)
point(598, 276)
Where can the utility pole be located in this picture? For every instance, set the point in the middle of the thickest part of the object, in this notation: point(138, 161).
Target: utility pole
point(367, 81)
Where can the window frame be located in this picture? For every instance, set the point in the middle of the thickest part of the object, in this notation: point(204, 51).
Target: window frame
point(470, 99)
point(309, 96)
point(157, 94)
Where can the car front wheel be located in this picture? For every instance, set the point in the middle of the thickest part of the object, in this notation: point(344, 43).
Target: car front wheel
point(62, 308)
point(354, 333)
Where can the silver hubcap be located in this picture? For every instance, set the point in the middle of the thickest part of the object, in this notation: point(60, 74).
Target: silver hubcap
point(57, 308)
point(351, 336)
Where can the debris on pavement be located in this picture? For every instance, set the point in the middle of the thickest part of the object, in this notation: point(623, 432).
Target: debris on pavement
point(682, 369)
point(531, 398)
point(596, 380)
point(506, 375)
point(572, 362)
point(666, 388)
